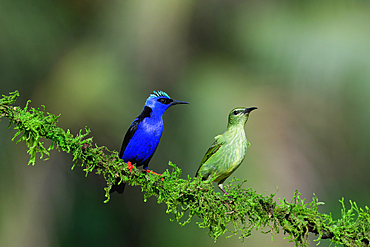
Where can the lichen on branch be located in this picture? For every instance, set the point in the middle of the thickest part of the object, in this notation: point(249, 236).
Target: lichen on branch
point(237, 213)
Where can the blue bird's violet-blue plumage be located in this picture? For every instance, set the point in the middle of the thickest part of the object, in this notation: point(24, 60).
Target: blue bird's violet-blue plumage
point(143, 136)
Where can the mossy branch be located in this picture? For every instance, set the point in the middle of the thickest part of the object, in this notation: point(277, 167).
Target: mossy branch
point(237, 214)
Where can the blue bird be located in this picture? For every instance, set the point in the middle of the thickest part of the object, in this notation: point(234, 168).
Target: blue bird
point(143, 135)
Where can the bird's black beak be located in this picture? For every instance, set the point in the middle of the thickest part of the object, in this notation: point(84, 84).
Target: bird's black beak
point(248, 110)
point(176, 102)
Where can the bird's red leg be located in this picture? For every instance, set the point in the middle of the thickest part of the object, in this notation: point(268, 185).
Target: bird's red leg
point(153, 172)
point(130, 166)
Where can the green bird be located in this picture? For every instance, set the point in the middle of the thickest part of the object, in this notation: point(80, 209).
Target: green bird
point(228, 151)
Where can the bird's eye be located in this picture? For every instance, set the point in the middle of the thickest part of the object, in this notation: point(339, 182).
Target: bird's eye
point(235, 112)
point(164, 101)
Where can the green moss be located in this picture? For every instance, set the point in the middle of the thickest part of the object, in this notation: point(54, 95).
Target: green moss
point(235, 214)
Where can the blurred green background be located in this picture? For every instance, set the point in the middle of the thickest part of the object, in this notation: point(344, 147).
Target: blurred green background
point(304, 64)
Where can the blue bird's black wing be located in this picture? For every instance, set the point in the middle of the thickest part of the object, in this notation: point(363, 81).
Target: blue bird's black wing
point(133, 127)
point(129, 134)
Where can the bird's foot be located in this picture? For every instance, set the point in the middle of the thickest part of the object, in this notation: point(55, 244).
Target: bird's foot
point(222, 189)
point(153, 172)
point(130, 166)
point(228, 196)
point(225, 191)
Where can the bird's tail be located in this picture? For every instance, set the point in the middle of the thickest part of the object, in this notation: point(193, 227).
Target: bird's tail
point(118, 187)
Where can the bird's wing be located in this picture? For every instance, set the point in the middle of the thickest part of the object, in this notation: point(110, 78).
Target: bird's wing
point(211, 151)
point(129, 134)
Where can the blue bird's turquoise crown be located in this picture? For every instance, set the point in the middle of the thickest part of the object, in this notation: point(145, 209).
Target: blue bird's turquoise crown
point(156, 94)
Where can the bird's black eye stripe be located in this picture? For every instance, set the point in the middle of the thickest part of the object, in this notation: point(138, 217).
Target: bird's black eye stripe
point(165, 101)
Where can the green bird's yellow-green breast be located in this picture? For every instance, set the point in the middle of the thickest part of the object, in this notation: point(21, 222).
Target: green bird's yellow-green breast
point(232, 151)
point(229, 149)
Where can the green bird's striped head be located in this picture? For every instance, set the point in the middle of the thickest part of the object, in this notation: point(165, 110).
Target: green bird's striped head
point(239, 116)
